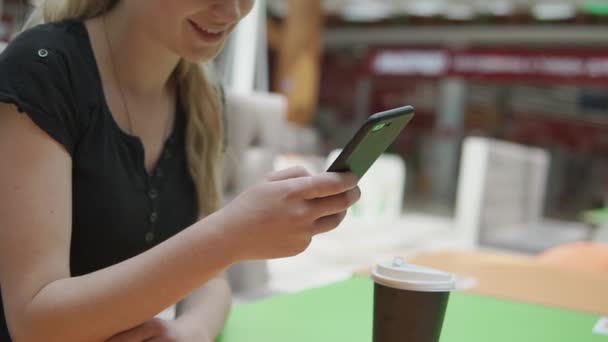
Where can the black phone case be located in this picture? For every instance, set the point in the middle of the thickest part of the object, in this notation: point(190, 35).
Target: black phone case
point(368, 145)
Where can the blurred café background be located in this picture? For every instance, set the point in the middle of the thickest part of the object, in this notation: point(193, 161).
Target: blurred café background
point(508, 150)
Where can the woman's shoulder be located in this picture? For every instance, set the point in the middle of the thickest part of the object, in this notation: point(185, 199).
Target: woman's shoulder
point(45, 75)
point(54, 40)
point(52, 55)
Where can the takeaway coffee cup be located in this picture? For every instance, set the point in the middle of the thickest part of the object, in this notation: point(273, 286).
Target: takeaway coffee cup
point(409, 302)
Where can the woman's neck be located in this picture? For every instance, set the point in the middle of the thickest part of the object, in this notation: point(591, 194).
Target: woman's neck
point(145, 66)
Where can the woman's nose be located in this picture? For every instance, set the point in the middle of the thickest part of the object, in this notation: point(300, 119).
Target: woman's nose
point(228, 11)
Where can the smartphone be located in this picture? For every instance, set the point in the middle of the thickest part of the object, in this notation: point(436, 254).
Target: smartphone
point(372, 139)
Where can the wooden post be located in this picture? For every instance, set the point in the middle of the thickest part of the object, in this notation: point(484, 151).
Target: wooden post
point(299, 61)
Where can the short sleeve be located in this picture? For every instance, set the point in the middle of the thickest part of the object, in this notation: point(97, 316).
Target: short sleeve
point(35, 78)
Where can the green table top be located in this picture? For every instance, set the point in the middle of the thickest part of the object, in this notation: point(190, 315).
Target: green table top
point(596, 8)
point(343, 312)
point(598, 217)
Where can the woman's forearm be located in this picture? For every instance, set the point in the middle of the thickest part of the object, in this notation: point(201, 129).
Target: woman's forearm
point(98, 305)
point(205, 311)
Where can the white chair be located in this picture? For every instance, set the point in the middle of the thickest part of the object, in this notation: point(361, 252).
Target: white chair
point(253, 125)
point(257, 134)
point(500, 198)
point(254, 122)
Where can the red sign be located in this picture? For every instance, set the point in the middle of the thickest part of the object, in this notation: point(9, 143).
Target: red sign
point(410, 62)
point(515, 64)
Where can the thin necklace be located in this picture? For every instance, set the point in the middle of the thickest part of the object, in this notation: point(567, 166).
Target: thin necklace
point(119, 84)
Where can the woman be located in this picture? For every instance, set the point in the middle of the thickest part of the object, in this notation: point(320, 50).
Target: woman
point(110, 183)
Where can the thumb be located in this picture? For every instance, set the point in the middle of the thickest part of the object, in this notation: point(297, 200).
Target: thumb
point(142, 332)
point(294, 172)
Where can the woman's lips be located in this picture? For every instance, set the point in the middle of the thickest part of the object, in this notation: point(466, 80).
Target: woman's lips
point(209, 36)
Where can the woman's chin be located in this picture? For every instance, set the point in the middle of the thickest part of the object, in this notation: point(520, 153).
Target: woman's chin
point(201, 55)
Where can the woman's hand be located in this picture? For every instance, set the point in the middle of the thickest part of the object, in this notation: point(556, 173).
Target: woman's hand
point(279, 217)
point(158, 330)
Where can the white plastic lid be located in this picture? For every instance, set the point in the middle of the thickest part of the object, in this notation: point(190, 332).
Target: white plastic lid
point(400, 275)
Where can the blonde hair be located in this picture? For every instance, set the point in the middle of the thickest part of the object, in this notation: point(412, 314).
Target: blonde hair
point(201, 99)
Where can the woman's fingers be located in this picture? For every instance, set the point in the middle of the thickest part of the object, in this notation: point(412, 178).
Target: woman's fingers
point(323, 185)
point(328, 223)
point(335, 204)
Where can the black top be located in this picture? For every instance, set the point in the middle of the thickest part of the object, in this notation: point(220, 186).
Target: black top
point(119, 211)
